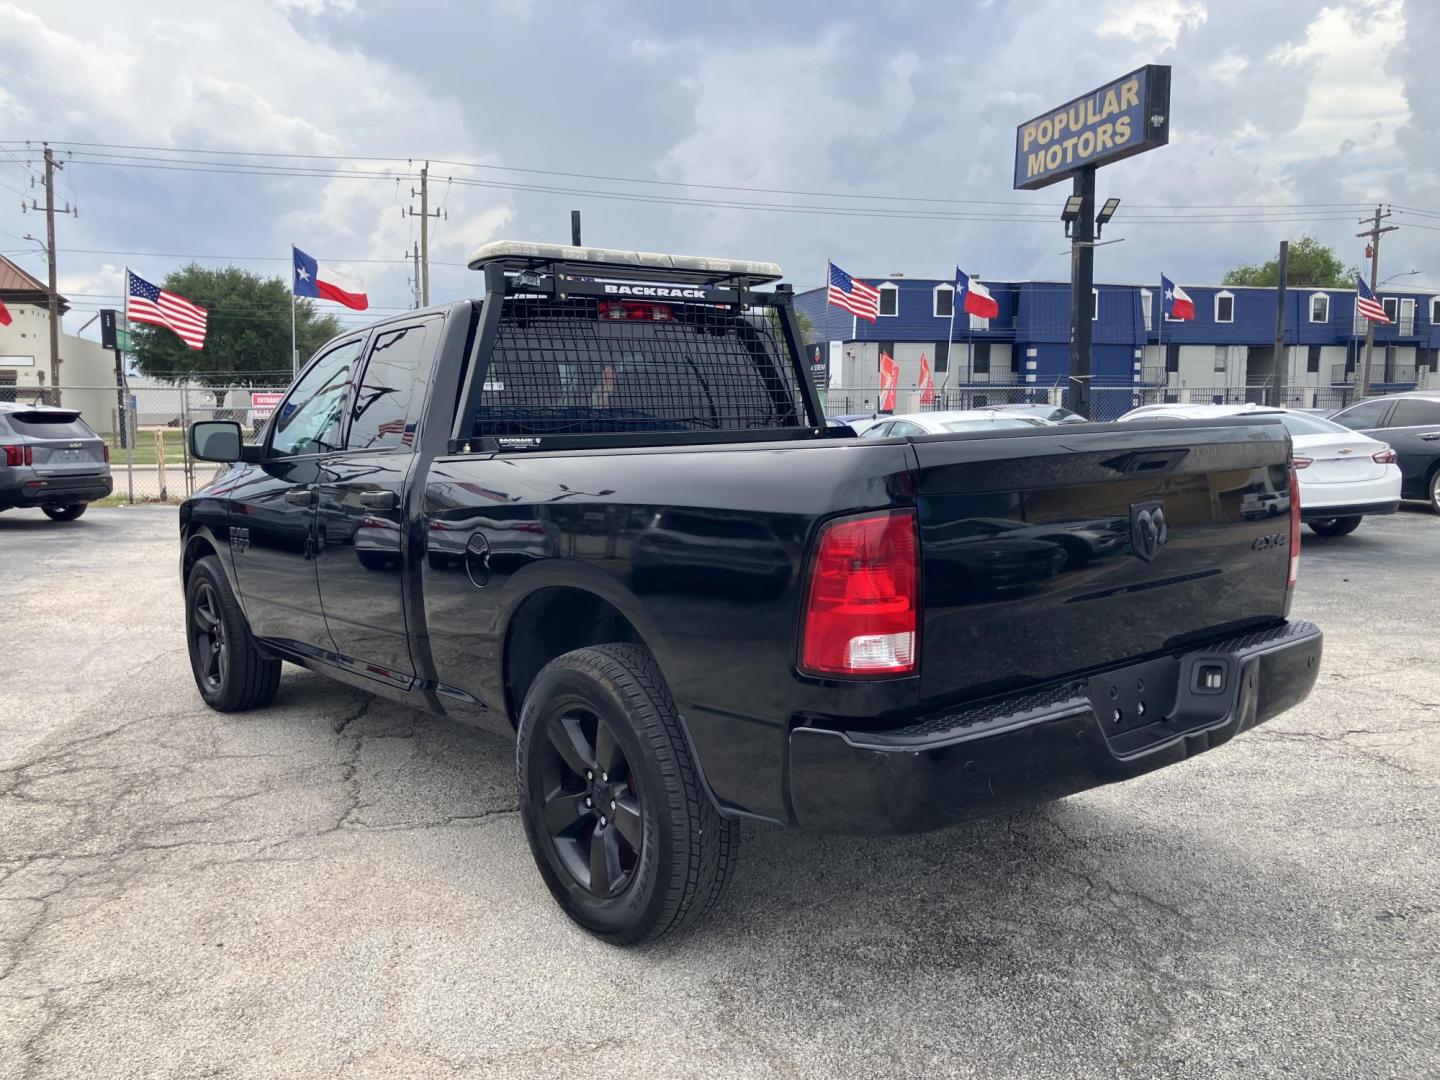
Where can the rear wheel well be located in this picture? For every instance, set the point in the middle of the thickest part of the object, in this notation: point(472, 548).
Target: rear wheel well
point(552, 622)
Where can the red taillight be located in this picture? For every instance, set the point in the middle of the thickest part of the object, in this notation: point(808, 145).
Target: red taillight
point(1294, 529)
point(862, 600)
point(19, 455)
point(1383, 457)
point(105, 449)
point(1302, 462)
point(620, 310)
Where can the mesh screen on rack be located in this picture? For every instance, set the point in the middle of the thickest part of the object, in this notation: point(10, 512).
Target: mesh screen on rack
point(581, 366)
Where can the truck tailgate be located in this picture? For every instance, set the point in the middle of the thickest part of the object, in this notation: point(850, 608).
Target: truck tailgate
point(1075, 549)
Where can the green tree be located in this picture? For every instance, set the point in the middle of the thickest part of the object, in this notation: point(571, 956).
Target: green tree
point(247, 334)
point(1311, 264)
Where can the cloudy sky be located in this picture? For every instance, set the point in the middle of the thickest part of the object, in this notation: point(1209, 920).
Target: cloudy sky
point(876, 134)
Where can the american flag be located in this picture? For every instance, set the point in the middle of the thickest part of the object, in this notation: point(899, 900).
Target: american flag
point(861, 300)
point(1366, 305)
point(151, 304)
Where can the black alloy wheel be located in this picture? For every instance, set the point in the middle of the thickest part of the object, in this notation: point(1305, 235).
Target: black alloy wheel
point(1435, 490)
point(231, 672)
point(591, 805)
point(212, 651)
point(624, 834)
point(64, 513)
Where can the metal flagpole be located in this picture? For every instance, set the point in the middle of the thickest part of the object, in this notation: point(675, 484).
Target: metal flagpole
point(1160, 345)
point(950, 342)
point(125, 411)
point(294, 351)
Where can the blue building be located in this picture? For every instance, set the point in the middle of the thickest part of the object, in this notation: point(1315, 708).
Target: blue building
point(1226, 353)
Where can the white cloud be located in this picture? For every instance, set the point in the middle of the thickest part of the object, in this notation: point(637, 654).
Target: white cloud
point(1153, 22)
point(242, 76)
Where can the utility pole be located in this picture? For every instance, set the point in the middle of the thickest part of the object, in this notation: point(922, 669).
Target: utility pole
point(575, 228)
point(424, 214)
point(51, 167)
point(415, 280)
point(1374, 233)
point(1281, 373)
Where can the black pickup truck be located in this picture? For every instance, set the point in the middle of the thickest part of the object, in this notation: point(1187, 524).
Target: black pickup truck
point(599, 510)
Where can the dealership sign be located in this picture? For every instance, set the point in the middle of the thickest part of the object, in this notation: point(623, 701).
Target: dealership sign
point(1125, 117)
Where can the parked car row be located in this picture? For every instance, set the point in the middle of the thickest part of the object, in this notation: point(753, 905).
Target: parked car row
point(1357, 462)
point(1351, 464)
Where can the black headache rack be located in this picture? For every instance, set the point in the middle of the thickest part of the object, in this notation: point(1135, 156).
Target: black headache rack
point(585, 347)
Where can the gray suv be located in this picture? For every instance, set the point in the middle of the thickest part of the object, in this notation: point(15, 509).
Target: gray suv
point(50, 458)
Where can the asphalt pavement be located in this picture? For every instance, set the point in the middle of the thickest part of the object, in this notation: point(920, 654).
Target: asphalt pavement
point(336, 886)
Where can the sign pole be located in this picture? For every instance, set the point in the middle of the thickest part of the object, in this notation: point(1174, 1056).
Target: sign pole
point(1082, 285)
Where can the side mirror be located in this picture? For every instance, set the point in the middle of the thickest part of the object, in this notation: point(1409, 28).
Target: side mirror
point(216, 440)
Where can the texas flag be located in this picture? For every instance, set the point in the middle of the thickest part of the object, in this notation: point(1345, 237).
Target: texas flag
point(889, 380)
point(324, 283)
point(973, 298)
point(1176, 302)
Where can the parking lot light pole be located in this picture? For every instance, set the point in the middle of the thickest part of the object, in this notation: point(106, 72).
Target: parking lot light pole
point(1081, 228)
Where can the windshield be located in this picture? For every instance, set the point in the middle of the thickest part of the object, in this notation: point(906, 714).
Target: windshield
point(986, 425)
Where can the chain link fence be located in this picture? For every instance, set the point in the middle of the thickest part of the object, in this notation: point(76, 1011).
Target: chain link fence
point(848, 401)
point(145, 427)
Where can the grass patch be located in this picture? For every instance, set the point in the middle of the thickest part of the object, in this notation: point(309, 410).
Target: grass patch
point(145, 447)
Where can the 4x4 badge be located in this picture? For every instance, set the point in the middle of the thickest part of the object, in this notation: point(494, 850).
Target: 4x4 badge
point(1147, 529)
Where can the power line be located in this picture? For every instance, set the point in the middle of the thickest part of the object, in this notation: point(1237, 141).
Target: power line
point(643, 180)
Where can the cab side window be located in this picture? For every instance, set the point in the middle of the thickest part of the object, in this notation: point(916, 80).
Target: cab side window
point(309, 421)
point(1363, 417)
point(378, 417)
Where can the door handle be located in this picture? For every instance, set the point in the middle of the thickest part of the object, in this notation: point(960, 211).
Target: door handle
point(379, 500)
point(1432, 437)
point(300, 496)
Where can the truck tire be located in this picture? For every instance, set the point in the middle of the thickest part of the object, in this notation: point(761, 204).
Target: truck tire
point(625, 837)
point(63, 513)
point(231, 673)
point(1341, 526)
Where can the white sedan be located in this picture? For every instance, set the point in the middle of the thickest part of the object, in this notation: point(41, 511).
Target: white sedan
point(1343, 475)
point(943, 423)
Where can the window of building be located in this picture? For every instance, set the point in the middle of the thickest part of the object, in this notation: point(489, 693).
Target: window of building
point(1391, 306)
point(1094, 304)
point(942, 356)
point(1320, 307)
point(944, 301)
point(1145, 300)
point(889, 300)
point(1221, 355)
point(1312, 358)
point(1224, 309)
point(982, 357)
point(1435, 310)
point(1172, 357)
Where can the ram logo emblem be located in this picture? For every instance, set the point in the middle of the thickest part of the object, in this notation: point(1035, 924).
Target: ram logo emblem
point(1148, 531)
